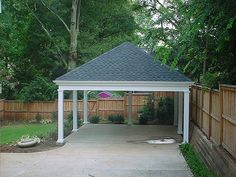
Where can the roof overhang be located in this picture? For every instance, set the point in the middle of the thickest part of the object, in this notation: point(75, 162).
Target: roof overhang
point(124, 85)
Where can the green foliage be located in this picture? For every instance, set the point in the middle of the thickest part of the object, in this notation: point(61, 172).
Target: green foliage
point(38, 118)
point(148, 111)
point(54, 116)
point(165, 111)
point(27, 51)
point(94, 119)
point(39, 89)
point(196, 165)
point(118, 119)
point(70, 119)
point(196, 37)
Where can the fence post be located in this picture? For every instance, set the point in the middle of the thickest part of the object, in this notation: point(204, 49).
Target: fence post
point(210, 110)
point(221, 112)
point(201, 114)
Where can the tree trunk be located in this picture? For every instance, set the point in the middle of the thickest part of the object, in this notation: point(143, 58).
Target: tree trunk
point(74, 30)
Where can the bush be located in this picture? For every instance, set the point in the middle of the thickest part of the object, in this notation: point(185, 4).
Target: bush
point(54, 116)
point(94, 119)
point(165, 111)
point(38, 118)
point(39, 89)
point(111, 118)
point(148, 111)
point(146, 114)
point(117, 119)
point(143, 120)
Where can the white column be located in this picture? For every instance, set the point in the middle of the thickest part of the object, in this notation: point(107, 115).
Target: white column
point(186, 117)
point(75, 111)
point(85, 107)
point(175, 109)
point(180, 113)
point(60, 139)
point(130, 108)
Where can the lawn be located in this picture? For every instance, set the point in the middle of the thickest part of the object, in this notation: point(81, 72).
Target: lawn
point(12, 133)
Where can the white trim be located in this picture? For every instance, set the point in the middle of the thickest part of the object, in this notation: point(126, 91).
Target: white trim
point(177, 83)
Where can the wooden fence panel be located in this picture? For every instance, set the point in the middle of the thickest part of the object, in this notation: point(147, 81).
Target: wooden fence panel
point(108, 107)
point(194, 104)
point(229, 118)
point(206, 112)
point(215, 117)
point(1, 109)
point(199, 107)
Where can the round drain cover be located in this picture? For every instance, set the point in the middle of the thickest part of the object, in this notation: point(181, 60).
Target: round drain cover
point(161, 141)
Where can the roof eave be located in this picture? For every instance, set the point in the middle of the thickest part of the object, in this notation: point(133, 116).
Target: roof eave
point(103, 83)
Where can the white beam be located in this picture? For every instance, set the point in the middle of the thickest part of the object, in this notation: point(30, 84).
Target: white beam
point(60, 139)
point(75, 111)
point(131, 87)
point(186, 117)
point(180, 113)
point(175, 109)
point(85, 107)
point(130, 108)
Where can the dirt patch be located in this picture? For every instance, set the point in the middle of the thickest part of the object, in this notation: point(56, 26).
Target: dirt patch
point(44, 145)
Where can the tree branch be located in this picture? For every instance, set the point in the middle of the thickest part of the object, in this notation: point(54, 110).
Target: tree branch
point(48, 34)
point(56, 16)
point(78, 16)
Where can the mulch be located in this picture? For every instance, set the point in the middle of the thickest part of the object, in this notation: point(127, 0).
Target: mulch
point(44, 145)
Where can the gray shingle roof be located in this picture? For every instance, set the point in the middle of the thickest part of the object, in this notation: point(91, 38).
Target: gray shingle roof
point(125, 62)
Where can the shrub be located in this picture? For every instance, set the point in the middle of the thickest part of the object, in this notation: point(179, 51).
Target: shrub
point(54, 116)
point(70, 118)
point(38, 118)
point(165, 111)
point(111, 118)
point(94, 119)
point(143, 120)
point(39, 89)
point(118, 119)
point(146, 114)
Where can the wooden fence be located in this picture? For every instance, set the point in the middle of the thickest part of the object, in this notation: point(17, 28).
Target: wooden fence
point(12, 110)
point(214, 112)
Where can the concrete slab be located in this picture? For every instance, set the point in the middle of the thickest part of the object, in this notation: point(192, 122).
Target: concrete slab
point(103, 151)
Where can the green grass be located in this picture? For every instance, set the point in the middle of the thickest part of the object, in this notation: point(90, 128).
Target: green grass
point(198, 168)
point(12, 133)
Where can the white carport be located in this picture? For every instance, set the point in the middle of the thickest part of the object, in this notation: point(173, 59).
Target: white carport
point(125, 68)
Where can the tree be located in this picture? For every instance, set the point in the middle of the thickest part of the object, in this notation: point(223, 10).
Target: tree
point(196, 36)
point(35, 38)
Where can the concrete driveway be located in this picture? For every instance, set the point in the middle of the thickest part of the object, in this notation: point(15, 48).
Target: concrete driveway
point(103, 151)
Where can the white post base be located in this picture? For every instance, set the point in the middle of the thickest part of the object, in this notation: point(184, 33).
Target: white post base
point(86, 122)
point(74, 130)
point(60, 141)
point(179, 132)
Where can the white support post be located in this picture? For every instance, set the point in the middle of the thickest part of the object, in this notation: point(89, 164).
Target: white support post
point(60, 139)
point(180, 113)
point(75, 111)
point(186, 117)
point(175, 109)
point(85, 107)
point(130, 108)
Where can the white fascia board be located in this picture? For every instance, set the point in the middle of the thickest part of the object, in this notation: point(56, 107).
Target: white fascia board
point(124, 85)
